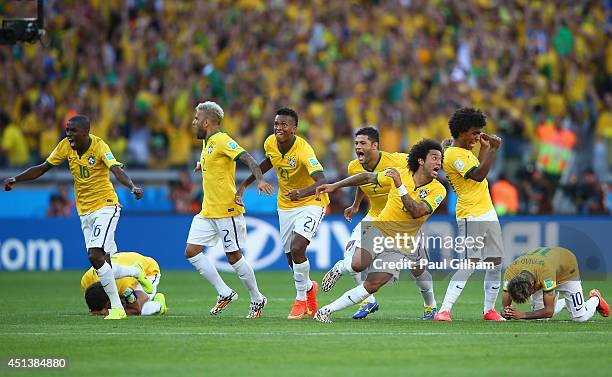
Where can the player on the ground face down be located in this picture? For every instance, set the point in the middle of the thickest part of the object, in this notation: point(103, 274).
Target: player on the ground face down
point(90, 160)
point(476, 217)
point(135, 300)
point(540, 275)
point(299, 211)
point(221, 218)
point(371, 159)
point(414, 195)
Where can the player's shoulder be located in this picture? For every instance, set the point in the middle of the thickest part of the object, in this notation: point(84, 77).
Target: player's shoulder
point(269, 142)
point(396, 158)
point(454, 152)
point(354, 167)
point(438, 186)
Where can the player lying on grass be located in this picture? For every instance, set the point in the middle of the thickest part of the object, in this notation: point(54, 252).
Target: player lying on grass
point(369, 159)
point(133, 297)
point(540, 275)
point(415, 194)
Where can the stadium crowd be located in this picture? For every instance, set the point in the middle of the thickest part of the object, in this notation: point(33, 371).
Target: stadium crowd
point(540, 70)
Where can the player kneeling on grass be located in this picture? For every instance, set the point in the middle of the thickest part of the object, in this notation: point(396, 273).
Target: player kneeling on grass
point(414, 195)
point(541, 274)
point(133, 297)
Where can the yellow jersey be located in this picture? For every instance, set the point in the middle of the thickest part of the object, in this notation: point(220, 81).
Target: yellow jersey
point(218, 160)
point(473, 198)
point(550, 266)
point(395, 219)
point(294, 171)
point(375, 192)
point(127, 259)
point(92, 186)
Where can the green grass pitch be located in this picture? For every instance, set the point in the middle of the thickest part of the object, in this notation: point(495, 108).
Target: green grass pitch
point(44, 315)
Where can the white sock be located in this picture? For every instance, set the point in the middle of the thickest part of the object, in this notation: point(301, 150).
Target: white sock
point(247, 277)
point(121, 271)
point(150, 308)
point(425, 284)
point(349, 298)
point(589, 309)
point(358, 281)
point(455, 287)
point(559, 305)
point(207, 269)
point(492, 281)
point(301, 272)
point(105, 273)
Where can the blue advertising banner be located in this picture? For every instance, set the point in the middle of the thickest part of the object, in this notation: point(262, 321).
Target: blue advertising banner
point(57, 244)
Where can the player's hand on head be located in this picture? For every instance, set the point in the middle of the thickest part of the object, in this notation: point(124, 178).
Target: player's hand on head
point(446, 143)
point(265, 187)
point(137, 191)
point(349, 212)
point(495, 141)
point(8, 183)
point(485, 141)
point(293, 195)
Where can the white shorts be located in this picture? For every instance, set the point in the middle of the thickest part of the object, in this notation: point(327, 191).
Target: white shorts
point(207, 232)
point(303, 221)
point(571, 292)
point(99, 228)
point(154, 279)
point(484, 229)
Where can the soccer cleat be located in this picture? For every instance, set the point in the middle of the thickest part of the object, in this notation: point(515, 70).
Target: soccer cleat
point(429, 312)
point(298, 310)
point(116, 313)
point(222, 302)
point(443, 316)
point(311, 300)
point(161, 298)
point(493, 315)
point(322, 315)
point(256, 308)
point(603, 307)
point(331, 277)
point(145, 283)
point(366, 308)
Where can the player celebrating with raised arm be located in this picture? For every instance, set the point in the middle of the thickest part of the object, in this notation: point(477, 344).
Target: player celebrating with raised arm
point(541, 274)
point(221, 218)
point(414, 195)
point(90, 160)
point(299, 211)
point(369, 159)
point(476, 217)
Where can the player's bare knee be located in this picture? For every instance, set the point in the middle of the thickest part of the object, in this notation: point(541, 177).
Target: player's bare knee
point(96, 256)
point(496, 260)
point(192, 250)
point(372, 286)
point(357, 266)
point(233, 257)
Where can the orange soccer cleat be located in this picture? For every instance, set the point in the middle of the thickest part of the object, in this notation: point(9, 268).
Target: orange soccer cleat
point(603, 307)
point(493, 315)
point(311, 299)
point(298, 310)
point(443, 316)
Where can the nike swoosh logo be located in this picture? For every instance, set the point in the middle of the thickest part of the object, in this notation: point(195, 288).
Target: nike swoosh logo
point(456, 286)
point(495, 287)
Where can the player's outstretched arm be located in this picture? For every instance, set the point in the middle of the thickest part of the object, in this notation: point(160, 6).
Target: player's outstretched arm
point(123, 178)
point(30, 174)
point(257, 172)
point(353, 180)
point(354, 208)
point(491, 143)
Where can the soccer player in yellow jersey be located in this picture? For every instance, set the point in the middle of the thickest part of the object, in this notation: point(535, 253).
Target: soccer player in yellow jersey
point(476, 217)
point(299, 211)
point(370, 159)
point(90, 160)
point(541, 274)
point(414, 195)
point(135, 300)
point(221, 217)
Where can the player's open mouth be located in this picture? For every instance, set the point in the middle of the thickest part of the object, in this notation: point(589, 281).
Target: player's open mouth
point(436, 170)
point(71, 142)
point(360, 155)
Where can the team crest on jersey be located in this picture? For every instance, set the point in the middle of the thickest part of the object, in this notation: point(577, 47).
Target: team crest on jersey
point(210, 149)
point(91, 160)
point(423, 193)
point(292, 161)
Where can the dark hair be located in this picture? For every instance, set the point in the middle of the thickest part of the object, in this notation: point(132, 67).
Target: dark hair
point(370, 132)
point(519, 288)
point(80, 121)
point(95, 297)
point(421, 150)
point(289, 112)
point(465, 118)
